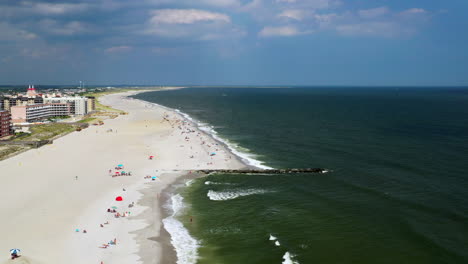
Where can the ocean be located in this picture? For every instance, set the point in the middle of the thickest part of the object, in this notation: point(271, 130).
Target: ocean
point(397, 190)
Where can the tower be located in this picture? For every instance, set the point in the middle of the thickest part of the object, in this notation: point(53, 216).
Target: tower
point(31, 91)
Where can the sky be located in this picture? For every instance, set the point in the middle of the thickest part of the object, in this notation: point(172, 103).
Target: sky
point(235, 42)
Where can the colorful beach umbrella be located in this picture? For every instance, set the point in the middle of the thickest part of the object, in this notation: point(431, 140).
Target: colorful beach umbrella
point(114, 207)
point(154, 177)
point(15, 251)
point(120, 165)
point(119, 198)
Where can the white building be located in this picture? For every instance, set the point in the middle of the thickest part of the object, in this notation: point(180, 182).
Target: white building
point(79, 105)
point(38, 112)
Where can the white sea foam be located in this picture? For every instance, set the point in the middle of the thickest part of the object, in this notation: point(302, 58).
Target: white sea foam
point(288, 259)
point(189, 182)
point(186, 247)
point(248, 158)
point(277, 243)
point(230, 195)
point(272, 237)
point(217, 183)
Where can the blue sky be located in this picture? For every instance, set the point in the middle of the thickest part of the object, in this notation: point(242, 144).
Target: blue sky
point(234, 42)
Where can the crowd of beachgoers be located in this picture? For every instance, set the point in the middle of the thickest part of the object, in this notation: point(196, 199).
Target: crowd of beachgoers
point(66, 212)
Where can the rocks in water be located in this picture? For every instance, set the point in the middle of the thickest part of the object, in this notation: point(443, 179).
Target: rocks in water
point(267, 171)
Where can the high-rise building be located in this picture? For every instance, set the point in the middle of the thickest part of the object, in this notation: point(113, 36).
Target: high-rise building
point(5, 123)
point(8, 102)
point(38, 112)
point(78, 104)
point(91, 103)
point(31, 91)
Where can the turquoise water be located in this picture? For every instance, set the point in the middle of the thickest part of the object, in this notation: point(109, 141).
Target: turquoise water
point(397, 192)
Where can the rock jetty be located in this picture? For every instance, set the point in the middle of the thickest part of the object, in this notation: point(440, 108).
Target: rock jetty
point(267, 171)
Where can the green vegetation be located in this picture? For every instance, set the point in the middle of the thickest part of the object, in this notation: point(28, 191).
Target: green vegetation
point(47, 131)
point(55, 118)
point(7, 150)
point(105, 108)
point(88, 120)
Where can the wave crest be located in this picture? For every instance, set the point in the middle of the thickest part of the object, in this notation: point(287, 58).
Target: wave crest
point(230, 195)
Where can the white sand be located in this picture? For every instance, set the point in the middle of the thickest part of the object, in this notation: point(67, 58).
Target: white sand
point(41, 202)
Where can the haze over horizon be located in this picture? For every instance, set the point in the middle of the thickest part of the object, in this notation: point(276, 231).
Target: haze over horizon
point(234, 42)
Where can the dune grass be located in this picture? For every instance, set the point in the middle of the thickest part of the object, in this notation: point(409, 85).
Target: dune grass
point(47, 131)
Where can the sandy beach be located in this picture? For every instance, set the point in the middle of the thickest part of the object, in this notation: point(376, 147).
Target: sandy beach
point(52, 194)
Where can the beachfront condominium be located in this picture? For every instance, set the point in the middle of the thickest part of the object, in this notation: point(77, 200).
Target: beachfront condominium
point(79, 105)
point(8, 101)
point(38, 112)
point(91, 104)
point(5, 123)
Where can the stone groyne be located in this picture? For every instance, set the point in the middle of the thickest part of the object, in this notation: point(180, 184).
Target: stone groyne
point(267, 171)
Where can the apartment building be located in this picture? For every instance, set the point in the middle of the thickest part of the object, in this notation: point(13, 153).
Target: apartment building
point(38, 112)
point(5, 123)
point(78, 104)
point(91, 104)
point(8, 101)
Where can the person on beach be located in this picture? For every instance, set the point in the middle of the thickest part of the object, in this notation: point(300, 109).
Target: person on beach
point(14, 255)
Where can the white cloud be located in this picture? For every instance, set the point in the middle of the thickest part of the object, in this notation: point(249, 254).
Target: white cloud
point(383, 29)
point(118, 49)
point(374, 12)
point(71, 28)
point(192, 3)
point(193, 24)
point(12, 33)
point(281, 31)
point(186, 16)
point(313, 4)
point(295, 14)
point(414, 11)
point(220, 3)
point(55, 9)
point(326, 20)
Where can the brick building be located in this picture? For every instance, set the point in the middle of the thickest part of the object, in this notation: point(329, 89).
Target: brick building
point(5, 123)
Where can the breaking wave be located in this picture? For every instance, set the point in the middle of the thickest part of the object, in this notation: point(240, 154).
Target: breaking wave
point(230, 195)
point(186, 246)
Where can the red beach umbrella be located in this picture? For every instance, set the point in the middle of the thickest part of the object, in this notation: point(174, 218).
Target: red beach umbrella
point(119, 198)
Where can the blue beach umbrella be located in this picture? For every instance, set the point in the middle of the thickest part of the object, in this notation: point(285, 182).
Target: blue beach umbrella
point(15, 251)
point(154, 177)
point(120, 165)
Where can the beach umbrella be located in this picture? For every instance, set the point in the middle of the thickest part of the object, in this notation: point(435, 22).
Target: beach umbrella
point(119, 198)
point(120, 165)
point(154, 177)
point(213, 153)
point(123, 171)
point(15, 251)
point(114, 207)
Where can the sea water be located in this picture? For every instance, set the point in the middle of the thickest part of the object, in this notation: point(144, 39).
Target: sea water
point(396, 191)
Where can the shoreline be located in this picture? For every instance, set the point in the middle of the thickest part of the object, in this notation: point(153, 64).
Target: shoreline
point(246, 158)
point(67, 186)
point(161, 235)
